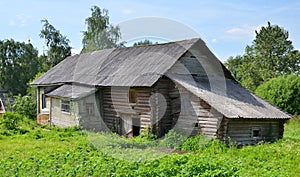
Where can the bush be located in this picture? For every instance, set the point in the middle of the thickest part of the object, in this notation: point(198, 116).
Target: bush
point(195, 143)
point(26, 106)
point(11, 121)
point(172, 140)
point(283, 91)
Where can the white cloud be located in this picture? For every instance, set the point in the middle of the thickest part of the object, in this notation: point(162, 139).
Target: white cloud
point(20, 20)
point(242, 32)
point(127, 11)
point(214, 40)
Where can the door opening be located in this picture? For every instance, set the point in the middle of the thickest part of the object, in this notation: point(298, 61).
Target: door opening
point(136, 124)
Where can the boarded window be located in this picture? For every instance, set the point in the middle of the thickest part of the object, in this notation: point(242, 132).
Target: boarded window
point(132, 96)
point(90, 109)
point(65, 106)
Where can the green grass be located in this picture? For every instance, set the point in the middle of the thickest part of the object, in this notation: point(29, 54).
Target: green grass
point(48, 151)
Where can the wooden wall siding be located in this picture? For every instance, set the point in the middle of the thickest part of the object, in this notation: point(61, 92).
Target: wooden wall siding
point(187, 117)
point(222, 131)
point(118, 112)
point(63, 119)
point(162, 119)
point(93, 121)
point(143, 107)
point(197, 116)
point(240, 130)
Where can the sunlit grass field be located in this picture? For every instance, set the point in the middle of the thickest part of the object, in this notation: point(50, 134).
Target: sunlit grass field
point(51, 151)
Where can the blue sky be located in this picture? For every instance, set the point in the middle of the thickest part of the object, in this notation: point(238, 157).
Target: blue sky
point(226, 26)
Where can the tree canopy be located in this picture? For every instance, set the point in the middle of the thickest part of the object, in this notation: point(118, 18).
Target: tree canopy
point(19, 63)
point(100, 34)
point(144, 42)
point(283, 91)
point(270, 55)
point(58, 47)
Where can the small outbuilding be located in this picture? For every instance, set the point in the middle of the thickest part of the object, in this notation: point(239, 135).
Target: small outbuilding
point(177, 85)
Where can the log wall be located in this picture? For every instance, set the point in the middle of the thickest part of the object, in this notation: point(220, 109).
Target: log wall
point(164, 114)
point(90, 113)
point(196, 116)
point(240, 131)
point(118, 112)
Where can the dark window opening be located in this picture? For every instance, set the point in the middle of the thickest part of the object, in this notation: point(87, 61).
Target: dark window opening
point(65, 106)
point(136, 126)
point(132, 96)
point(255, 133)
point(44, 105)
point(196, 124)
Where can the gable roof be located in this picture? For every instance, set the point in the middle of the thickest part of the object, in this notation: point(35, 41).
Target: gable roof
point(131, 66)
point(144, 65)
point(233, 101)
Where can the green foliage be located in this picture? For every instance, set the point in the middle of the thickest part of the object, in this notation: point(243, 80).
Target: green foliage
point(283, 91)
point(18, 64)
point(293, 130)
point(11, 121)
point(195, 143)
point(147, 135)
point(270, 55)
point(100, 34)
point(25, 105)
point(14, 123)
point(144, 42)
point(31, 90)
point(57, 44)
point(172, 140)
point(53, 151)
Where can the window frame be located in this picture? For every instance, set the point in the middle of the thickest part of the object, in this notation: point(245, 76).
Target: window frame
point(44, 101)
point(65, 106)
point(132, 96)
point(90, 109)
point(255, 133)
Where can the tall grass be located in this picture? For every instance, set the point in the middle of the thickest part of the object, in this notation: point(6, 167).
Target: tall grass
point(52, 151)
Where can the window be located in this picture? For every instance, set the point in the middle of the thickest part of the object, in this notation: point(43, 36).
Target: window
point(90, 109)
point(44, 101)
point(255, 133)
point(132, 96)
point(65, 106)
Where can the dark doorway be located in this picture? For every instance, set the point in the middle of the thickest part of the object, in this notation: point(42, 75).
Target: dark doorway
point(136, 124)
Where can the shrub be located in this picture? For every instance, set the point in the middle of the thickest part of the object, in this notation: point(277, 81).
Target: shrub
point(26, 106)
point(172, 140)
point(283, 91)
point(11, 121)
point(195, 143)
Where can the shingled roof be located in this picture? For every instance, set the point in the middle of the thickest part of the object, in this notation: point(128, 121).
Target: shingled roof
point(131, 66)
point(144, 65)
point(233, 101)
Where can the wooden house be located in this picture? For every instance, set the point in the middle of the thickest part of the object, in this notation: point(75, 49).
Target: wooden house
point(177, 85)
